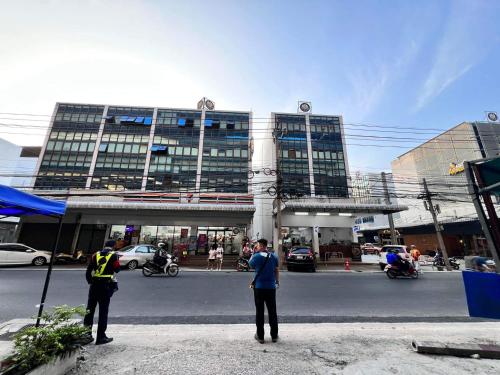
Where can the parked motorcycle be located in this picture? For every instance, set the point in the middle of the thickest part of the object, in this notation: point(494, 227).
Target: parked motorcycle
point(77, 258)
point(170, 267)
point(438, 262)
point(394, 272)
point(242, 264)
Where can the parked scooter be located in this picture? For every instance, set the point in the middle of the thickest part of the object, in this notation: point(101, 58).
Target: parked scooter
point(170, 267)
point(242, 264)
point(77, 258)
point(394, 272)
point(438, 262)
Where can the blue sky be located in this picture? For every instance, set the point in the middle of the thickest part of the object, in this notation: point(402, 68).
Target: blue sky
point(423, 64)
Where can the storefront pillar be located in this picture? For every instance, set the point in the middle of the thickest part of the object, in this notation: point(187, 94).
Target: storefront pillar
point(315, 241)
point(76, 234)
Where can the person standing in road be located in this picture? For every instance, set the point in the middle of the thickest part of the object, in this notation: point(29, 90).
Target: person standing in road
point(264, 284)
point(220, 257)
point(415, 254)
point(100, 276)
point(212, 253)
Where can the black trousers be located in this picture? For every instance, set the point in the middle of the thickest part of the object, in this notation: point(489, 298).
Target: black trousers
point(99, 293)
point(267, 297)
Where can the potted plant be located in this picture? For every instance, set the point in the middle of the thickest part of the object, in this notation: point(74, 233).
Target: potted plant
point(51, 348)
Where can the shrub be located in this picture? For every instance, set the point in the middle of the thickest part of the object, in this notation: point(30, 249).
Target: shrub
point(56, 335)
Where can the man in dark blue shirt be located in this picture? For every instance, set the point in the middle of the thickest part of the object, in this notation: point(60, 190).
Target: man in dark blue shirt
point(266, 281)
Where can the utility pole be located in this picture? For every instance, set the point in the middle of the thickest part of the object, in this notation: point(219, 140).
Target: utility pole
point(428, 197)
point(279, 192)
point(394, 237)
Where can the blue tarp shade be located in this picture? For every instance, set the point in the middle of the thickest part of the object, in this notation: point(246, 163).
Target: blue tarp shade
point(14, 202)
point(148, 120)
point(483, 294)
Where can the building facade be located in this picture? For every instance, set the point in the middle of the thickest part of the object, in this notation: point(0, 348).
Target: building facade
point(440, 161)
point(19, 164)
point(145, 175)
point(318, 207)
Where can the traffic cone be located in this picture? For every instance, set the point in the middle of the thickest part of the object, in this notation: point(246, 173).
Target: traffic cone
point(347, 265)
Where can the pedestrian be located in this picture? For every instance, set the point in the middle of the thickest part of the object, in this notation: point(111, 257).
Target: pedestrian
point(211, 257)
point(220, 256)
point(264, 285)
point(100, 277)
point(415, 254)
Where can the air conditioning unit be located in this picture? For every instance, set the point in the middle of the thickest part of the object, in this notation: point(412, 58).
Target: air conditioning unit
point(304, 107)
point(491, 116)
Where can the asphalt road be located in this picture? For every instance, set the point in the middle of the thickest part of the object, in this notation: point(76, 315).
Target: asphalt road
point(224, 297)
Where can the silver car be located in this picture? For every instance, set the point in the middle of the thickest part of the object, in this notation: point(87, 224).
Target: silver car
point(136, 255)
point(18, 253)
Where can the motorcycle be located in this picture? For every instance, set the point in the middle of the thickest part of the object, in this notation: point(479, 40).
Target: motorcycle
point(394, 272)
point(170, 267)
point(242, 265)
point(77, 258)
point(438, 262)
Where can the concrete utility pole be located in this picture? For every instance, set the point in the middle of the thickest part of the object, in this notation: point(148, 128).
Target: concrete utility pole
point(394, 237)
point(279, 193)
point(428, 197)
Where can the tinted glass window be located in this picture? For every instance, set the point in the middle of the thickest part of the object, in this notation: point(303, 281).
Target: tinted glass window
point(126, 248)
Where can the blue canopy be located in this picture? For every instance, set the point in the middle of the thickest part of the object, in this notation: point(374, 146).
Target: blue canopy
point(14, 202)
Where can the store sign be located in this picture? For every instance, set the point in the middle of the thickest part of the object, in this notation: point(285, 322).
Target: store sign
point(456, 169)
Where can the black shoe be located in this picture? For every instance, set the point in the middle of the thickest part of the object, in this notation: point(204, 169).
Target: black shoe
point(258, 339)
point(275, 339)
point(104, 340)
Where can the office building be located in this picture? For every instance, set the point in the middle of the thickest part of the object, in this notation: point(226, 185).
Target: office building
point(440, 162)
point(319, 207)
point(145, 175)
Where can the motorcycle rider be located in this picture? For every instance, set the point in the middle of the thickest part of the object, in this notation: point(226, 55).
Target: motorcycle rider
point(394, 259)
point(161, 255)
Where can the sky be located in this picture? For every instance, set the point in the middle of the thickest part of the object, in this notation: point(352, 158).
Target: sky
point(418, 64)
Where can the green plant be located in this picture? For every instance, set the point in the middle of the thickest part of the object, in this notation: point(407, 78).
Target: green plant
point(35, 346)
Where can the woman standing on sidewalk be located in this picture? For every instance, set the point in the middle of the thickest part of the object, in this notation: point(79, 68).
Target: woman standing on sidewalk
point(220, 256)
point(212, 253)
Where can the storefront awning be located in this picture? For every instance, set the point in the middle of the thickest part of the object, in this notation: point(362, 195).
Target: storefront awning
point(342, 205)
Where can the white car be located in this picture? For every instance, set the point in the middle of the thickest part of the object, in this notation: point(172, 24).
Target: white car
point(401, 250)
point(136, 255)
point(17, 253)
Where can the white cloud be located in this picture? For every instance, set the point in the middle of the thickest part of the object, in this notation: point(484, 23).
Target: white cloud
point(465, 42)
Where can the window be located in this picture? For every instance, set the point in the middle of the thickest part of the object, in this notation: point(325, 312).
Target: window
point(208, 123)
point(230, 125)
point(181, 122)
point(103, 147)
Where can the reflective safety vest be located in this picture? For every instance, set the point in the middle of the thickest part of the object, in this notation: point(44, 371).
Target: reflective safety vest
point(102, 261)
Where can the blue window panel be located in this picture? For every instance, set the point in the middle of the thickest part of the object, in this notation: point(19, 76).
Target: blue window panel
point(208, 123)
point(148, 120)
point(181, 122)
point(139, 120)
point(162, 148)
point(154, 148)
point(123, 118)
point(236, 137)
point(131, 119)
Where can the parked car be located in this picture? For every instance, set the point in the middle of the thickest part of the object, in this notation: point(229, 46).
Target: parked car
point(301, 257)
point(136, 255)
point(400, 249)
point(18, 253)
point(369, 248)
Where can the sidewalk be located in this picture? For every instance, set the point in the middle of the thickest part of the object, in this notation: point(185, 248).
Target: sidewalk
point(359, 348)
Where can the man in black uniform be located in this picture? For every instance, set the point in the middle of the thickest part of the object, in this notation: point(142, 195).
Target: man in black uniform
point(100, 277)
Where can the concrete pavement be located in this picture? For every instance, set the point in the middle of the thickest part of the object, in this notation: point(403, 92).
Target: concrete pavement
point(366, 348)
